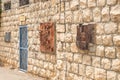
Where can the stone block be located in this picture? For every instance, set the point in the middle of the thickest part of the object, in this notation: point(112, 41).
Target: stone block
point(111, 2)
point(83, 3)
point(59, 46)
point(100, 51)
point(82, 69)
point(68, 16)
point(91, 3)
point(69, 56)
point(105, 14)
point(99, 40)
point(68, 37)
point(90, 72)
point(115, 13)
point(97, 15)
point(77, 18)
point(99, 28)
point(110, 28)
point(100, 74)
point(60, 65)
point(107, 40)
point(77, 58)
point(74, 47)
point(101, 3)
point(116, 65)
point(87, 15)
point(118, 52)
point(111, 75)
point(116, 40)
point(87, 60)
point(96, 61)
point(74, 68)
point(106, 63)
point(110, 52)
point(60, 28)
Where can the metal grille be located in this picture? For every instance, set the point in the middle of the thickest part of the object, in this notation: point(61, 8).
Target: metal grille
point(23, 48)
point(23, 59)
point(23, 39)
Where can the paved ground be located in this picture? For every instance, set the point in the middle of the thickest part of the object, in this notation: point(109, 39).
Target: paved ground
point(8, 74)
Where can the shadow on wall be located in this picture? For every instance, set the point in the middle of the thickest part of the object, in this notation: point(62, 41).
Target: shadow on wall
point(1, 63)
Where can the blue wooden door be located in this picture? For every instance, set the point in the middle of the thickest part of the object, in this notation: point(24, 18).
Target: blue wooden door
point(23, 48)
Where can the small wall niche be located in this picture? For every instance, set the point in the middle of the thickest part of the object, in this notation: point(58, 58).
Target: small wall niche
point(47, 37)
point(7, 37)
point(7, 5)
point(85, 35)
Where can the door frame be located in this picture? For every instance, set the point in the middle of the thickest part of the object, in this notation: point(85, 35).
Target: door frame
point(20, 48)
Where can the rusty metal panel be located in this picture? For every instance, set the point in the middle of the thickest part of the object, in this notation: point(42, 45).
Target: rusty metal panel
point(85, 34)
point(47, 37)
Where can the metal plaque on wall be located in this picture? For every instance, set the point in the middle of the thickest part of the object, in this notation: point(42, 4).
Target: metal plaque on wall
point(47, 37)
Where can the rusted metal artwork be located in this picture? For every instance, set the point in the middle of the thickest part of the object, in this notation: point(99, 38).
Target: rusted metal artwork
point(85, 35)
point(47, 37)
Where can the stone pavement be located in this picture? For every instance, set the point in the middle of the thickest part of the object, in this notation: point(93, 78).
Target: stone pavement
point(8, 74)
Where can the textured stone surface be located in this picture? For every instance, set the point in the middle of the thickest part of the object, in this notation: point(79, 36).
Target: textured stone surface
point(99, 62)
point(83, 3)
point(89, 72)
point(78, 58)
point(110, 28)
point(74, 68)
point(110, 52)
point(87, 60)
point(106, 63)
point(100, 74)
point(96, 61)
point(118, 52)
point(105, 14)
point(99, 28)
point(116, 40)
point(81, 69)
point(115, 13)
point(100, 51)
point(60, 28)
point(87, 15)
point(74, 47)
point(111, 2)
point(99, 40)
point(116, 65)
point(101, 2)
point(111, 75)
point(97, 15)
point(91, 3)
point(107, 40)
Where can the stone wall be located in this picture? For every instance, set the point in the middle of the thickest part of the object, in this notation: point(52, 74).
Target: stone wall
point(100, 62)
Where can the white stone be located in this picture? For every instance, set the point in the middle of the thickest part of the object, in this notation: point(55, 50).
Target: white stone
point(106, 63)
point(110, 28)
point(111, 75)
point(115, 13)
point(100, 51)
point(105, 14)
